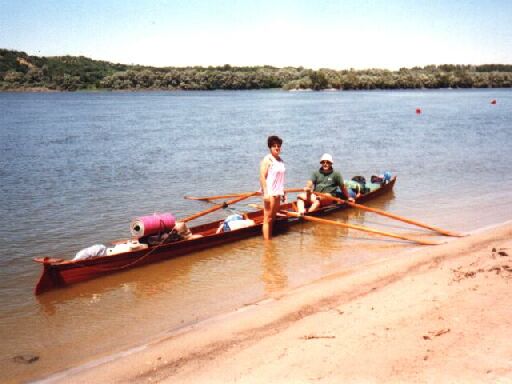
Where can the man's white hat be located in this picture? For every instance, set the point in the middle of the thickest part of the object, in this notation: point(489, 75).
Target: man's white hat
point(326, 157)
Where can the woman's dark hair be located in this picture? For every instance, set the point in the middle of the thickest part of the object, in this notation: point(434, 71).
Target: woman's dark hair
point(274, 140)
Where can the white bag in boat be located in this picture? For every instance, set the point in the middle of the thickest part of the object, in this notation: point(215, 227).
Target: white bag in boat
point(129, 246)
point(237, 224)
point(93, 250)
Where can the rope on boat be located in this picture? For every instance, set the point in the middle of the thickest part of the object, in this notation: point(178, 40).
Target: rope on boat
point(136, 261)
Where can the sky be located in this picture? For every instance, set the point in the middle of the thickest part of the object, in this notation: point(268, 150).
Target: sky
point(337, 34)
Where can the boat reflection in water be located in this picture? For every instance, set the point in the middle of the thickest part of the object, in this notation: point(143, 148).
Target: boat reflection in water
point(134, 284)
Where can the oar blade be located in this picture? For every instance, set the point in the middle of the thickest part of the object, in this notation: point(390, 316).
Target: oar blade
point(392, 215)
point(361, 228)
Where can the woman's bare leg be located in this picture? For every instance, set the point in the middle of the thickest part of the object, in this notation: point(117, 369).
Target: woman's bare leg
point(276, 205)
point(267, 216)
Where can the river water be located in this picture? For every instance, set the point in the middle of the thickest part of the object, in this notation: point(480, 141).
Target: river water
point(77, 167)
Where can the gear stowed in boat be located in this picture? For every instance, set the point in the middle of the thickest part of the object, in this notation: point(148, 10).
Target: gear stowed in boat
point(141, 227)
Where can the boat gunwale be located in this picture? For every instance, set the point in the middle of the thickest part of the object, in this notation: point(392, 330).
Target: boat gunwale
point(204, 228)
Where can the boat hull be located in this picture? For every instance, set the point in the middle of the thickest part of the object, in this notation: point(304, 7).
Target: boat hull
point(60, 273)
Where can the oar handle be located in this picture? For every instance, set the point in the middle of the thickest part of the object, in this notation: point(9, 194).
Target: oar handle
point(289, 190)
point(219, 196)
point(390, 215)
point(292, 190)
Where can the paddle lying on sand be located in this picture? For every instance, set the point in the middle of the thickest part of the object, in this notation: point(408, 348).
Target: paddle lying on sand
point(219, 206)
point(391, 215)
point(359, 228)
point(290, 190)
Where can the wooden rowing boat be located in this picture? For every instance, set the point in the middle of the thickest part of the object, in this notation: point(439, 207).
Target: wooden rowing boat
point(60, 272)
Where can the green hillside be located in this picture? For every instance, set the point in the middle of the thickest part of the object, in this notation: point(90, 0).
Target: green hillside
point(20, 71)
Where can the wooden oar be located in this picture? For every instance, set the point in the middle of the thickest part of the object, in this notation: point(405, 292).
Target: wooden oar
point(360, 228)
point(290, 190)
point(228, 208)
point(219, 196)
point(391, 215)
point(217, 207)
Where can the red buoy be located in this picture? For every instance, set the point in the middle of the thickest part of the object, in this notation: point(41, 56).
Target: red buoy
point(493, 101)
point(418, 111)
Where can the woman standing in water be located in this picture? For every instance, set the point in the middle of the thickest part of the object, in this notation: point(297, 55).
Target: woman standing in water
point(272, 171)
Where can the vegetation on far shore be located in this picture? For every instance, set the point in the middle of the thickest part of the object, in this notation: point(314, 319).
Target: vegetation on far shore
point(19, 71)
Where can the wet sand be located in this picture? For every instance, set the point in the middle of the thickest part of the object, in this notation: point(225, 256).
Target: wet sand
point(431, 314)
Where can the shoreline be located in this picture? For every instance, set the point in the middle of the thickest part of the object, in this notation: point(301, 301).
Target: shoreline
point(361, 325)
point(292, 90)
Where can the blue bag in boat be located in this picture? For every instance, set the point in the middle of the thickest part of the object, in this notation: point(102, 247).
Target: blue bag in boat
point(229, 219)
point(234, 222)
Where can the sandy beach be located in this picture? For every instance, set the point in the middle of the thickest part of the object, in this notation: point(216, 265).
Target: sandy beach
point(430, 314)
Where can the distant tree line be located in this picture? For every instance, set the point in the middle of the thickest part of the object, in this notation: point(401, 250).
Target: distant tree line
point(19, 71)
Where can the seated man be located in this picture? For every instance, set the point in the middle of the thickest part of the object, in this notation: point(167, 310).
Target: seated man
point(325, 180)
